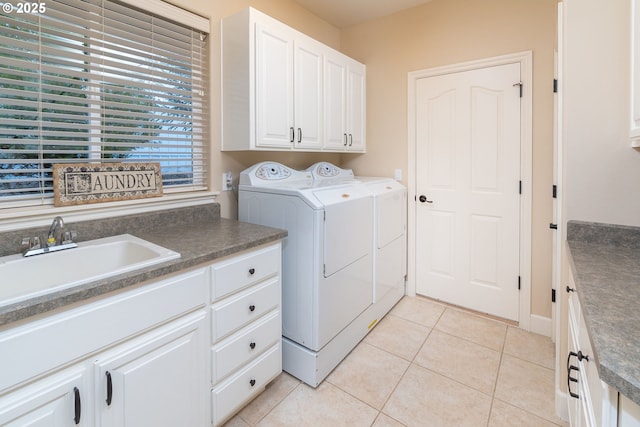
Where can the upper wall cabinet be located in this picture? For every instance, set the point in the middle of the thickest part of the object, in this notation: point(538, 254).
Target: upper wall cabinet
point(635, 73)
point(283, 90)
point(344, 112)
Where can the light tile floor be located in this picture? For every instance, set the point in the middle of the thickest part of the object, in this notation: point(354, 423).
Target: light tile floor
point(424, 364)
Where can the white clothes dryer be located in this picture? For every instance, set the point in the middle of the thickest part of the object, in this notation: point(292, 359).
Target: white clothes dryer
point(389, 227)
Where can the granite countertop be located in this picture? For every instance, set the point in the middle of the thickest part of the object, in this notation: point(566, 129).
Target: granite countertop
point(199, 239)
point(605, 262)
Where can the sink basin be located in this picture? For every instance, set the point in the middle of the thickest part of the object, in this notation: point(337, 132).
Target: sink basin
point(28, 277)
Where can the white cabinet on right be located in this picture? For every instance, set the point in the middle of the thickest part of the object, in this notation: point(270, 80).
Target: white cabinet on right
point(344, 112)
point(591, 402)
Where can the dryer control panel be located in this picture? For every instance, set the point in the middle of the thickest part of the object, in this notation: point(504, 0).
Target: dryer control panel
point(326, 170)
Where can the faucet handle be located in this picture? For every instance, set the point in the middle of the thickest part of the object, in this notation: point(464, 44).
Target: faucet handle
point(30, 243)
point(26, 243)
point(69, 236)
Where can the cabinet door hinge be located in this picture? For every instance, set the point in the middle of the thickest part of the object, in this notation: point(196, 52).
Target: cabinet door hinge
point(519, 187)
point(553, 295)
point(555, 85)
point(554, 191)
point(519, 285)
point(553, 226)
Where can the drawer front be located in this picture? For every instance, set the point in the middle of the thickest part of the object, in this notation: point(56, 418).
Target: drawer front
point(241, 271)
point(244, 346)
point(232, 394)
point(237, 311)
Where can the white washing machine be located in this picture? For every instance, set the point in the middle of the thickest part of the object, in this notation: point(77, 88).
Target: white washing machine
point(327, 261)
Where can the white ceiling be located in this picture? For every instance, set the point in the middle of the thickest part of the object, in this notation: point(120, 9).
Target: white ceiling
point(344, 13)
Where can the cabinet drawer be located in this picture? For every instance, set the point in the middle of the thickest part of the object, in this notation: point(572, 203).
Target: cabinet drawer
point(235, 312)
point(250, 342)
point(232, 394)
point(241, 271)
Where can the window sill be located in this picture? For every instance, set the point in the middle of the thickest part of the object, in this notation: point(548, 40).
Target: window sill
point(34, 216)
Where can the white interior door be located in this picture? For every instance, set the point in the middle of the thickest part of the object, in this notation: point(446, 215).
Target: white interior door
point(468, 184)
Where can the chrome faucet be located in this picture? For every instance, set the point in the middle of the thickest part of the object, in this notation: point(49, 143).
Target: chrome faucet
point(57, 239)
point(55, 236)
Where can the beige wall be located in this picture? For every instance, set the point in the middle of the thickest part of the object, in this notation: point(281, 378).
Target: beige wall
point(602, 171)
point(439, 33)
point(445, 32)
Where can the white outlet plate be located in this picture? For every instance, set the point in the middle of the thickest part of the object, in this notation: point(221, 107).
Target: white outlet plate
point(227, 181)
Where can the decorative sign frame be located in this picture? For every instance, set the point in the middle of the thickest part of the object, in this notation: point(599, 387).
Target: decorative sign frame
point(75, 184)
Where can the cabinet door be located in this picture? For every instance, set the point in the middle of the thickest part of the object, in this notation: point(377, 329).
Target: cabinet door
point(274, 87)
point(55, 401)
point(629, 412)
point(573, 373)
point(335, 107)
point(308, 60)
point(356, 109)
point(158, 379)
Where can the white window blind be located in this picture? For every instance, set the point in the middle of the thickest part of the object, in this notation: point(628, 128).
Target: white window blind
point(99, 81)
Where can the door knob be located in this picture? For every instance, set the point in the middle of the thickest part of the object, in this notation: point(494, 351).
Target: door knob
point(423, 199)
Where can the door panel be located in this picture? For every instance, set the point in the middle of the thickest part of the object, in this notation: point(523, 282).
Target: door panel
point(468, 139)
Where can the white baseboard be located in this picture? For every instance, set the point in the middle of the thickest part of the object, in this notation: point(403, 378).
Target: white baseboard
point(541, 325)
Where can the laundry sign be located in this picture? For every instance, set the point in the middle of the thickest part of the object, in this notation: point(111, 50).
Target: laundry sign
point(105, 182)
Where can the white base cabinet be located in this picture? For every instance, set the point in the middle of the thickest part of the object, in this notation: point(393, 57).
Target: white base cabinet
point(591, 402)
point(187, 350)
point(246, 334)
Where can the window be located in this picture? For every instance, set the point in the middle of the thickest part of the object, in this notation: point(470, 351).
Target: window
point(100, 81)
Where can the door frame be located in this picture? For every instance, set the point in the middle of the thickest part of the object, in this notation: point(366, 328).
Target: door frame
point(526, 156)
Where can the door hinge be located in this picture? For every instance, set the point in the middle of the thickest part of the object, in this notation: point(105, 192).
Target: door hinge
point(555, 85)
point(519, 187)
point(553, 226)
point(554, 191)
point(553, 295)
point(519, 84)
point(519, 285)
